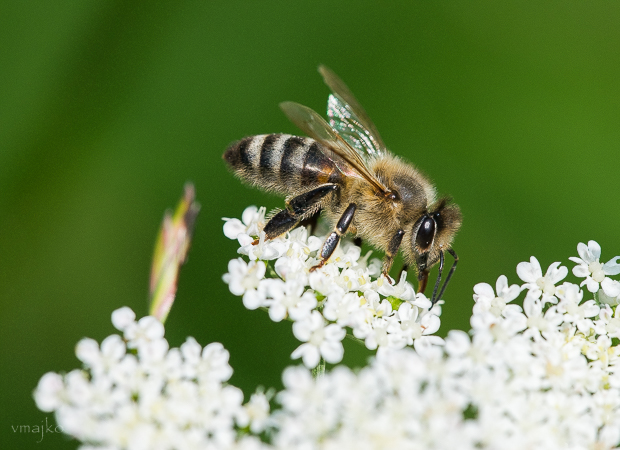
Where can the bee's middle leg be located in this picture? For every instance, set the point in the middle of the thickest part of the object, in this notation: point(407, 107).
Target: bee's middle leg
point(332, 240)
point(296, 209)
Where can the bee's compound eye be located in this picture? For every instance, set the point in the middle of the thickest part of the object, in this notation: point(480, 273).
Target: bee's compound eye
point(426, 233)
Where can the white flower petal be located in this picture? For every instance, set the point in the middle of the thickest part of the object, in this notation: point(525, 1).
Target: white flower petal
point(611, 287)
point(556, 273)
point(233, 228)
point(592, 285)
point(501, 284)
point(612, 267)
point(581, 271)
point(49, 391)
point(484, 290)
point(253, 300)
point(331, 351)
point(431, 324)
point(529, 272)
point(309, 353)
point(249, 214)
point(334, 332)
point(457, 343)
point(594, 251)
point(122, 318)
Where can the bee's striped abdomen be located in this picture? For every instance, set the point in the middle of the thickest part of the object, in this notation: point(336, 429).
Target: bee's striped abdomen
point(281, 162)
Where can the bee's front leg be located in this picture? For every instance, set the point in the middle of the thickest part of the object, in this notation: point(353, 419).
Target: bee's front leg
point(297, 208)
point(391, 252)
point(332, 240)
point(435, 297)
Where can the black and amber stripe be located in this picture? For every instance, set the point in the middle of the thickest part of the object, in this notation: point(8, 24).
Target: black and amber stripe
point(281, 162)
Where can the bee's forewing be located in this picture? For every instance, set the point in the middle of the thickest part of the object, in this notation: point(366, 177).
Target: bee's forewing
point(317, 128)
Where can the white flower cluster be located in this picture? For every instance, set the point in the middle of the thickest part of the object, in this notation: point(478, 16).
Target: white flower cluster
point(542, 376)
point(134, 392)
point(545, 375)
point(347, 292)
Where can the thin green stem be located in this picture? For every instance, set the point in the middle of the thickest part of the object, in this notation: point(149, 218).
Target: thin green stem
point(319, 371)
point(354, 339)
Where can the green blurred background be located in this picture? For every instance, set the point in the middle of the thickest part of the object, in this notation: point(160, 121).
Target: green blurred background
point(108, 108)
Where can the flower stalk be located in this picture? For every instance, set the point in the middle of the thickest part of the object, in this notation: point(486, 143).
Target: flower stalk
point(170, 253)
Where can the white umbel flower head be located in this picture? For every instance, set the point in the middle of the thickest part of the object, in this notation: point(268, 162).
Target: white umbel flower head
point(131, 395)
point(348, 292)
point(543, 377)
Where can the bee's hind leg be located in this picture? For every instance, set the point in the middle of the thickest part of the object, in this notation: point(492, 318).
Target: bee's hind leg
point(295, 210)
point(332, 240)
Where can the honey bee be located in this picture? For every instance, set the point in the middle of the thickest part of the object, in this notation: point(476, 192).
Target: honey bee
point(345, 170)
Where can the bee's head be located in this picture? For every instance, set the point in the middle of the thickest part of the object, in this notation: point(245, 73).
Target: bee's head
point(432, 234)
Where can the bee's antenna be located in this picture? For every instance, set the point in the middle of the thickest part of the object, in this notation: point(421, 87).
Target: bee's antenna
point(448, 277)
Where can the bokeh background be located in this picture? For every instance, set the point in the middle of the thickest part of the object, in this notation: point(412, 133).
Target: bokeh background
point(108, 108)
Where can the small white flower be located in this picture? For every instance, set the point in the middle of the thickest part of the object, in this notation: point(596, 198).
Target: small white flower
point(401, 290)
point(340, 307)
point(291, 269)
point(300, 245)
point(538, 321)
point(289, 299)
point(594, 272)
point(458, 343)
point(321, 281)
point(538, 284)
point(265, 249)
point(599, 350)
point(300, 390)
point(376, 306)
point(319, 340)
point(252, 223)
point(147, 329)
point(573, 310)
point(213, 364)
point(49, 392)
point(255, 413)
point(609, 322)
point(345, 255)
point(101, 360)
point(243, 279)
point(377, 335)
point(412, 325)
point(352, 279)
point(486, 299)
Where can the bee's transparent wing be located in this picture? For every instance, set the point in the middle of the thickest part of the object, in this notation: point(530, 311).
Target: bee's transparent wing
point(349, 119)
point(317, 128)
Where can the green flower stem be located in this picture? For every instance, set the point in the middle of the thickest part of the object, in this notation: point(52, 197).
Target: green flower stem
point(356, 340)
point(319, 371)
